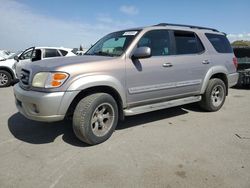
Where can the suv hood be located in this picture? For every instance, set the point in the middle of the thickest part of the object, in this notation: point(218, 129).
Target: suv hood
point(57, 63)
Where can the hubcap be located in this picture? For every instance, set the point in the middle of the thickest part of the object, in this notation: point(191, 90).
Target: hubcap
point(217, 95)
point(3, 79)
point(102, 119)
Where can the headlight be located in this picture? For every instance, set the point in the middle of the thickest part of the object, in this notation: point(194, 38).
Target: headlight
point(49, 79)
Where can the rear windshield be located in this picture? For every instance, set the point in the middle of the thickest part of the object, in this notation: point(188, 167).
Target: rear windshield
point(242, 54)
point(220, 43)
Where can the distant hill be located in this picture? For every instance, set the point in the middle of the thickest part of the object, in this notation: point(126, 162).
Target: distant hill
point(241, 43)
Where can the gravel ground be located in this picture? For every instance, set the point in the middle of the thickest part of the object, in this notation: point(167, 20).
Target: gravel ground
point(177, 147)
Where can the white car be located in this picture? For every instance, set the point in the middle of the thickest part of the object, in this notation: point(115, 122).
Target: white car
point(9, 66)
point(39, 53)
point(1, 58)
point(7, 73)
point(4, 54)
point(81, 52)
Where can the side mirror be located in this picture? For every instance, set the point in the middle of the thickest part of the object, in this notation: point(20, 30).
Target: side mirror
point(142, 52)
point(16, 58)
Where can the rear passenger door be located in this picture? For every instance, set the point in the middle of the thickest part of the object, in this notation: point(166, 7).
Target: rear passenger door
point(190, 63)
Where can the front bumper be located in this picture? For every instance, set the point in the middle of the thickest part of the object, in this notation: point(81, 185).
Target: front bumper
point(39, 106)
point(233, 79)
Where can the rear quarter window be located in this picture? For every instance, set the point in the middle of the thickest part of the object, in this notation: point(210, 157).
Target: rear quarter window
point(63, 52)
point(220, 43)
point(51, 53)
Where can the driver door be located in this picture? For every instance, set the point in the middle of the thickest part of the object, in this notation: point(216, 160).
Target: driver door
point(149, 79)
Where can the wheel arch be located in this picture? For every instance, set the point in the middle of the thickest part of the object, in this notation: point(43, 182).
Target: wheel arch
point(97, 89)
point(219, 72)
point(7, 69)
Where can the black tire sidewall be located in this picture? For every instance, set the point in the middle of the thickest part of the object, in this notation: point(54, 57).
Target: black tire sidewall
point(9, 78)
point(88, 132)
point(213, 83)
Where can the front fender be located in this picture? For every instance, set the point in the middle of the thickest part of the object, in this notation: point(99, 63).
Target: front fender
point(212, 71)
point(86, 82)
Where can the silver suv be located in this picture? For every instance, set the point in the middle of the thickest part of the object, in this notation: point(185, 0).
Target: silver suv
point(126, 73)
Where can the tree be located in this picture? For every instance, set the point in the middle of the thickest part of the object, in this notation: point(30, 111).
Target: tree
point(81, 48)
point(241, 43)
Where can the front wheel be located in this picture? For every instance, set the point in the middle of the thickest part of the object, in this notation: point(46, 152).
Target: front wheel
point(5, 78)
point(95, 118)
point(214, 96)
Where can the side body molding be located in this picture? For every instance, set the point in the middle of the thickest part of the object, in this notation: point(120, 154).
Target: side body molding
point(86, 82)
point(214, 70)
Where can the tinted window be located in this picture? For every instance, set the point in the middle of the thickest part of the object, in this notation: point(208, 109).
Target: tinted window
point(220, 43)
point(37, 55)
point(158, 41)
point(63, 52)
point(187, 43)
point(51, 53)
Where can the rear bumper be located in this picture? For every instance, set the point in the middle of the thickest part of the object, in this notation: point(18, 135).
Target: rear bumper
point(233, 79)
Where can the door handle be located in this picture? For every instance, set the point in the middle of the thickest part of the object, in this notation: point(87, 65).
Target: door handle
point(167, 65)
point(205, 62)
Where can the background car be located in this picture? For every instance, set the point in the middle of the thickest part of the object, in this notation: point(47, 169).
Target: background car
point(39, 53)
point(8, 64)
point(4, 54)
point(7, 73)
point(243, 55)
point(81, 52)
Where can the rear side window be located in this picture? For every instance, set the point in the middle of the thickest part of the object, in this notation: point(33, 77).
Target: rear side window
point(220, 43)
point(51, 53)
point(187, 43)
point(63, 52)
point(158, 41)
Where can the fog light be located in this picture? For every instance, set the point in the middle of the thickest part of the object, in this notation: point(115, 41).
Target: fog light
point(35, 109)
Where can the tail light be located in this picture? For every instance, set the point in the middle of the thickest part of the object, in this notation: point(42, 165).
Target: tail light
point(235, 61)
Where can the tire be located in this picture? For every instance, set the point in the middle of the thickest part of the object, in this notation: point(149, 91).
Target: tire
point(214, 96)
point(95, 118)
point(5, 78)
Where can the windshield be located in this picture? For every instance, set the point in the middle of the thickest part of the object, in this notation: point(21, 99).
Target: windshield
point(114, 44)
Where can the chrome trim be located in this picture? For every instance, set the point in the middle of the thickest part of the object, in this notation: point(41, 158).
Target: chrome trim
point(156, 87)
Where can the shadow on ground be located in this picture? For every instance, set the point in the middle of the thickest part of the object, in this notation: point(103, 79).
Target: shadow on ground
point(42, 133)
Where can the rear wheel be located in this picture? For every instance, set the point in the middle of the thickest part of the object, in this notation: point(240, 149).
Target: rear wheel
point(95, 118)
point(214, 96)
point(5, 78)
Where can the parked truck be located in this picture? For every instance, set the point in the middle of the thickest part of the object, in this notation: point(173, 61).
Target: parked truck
point(243, 55)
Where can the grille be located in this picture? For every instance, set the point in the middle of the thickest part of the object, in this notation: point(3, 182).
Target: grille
point(24, 77)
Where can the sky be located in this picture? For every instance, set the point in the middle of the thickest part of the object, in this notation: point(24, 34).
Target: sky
point(71, 23)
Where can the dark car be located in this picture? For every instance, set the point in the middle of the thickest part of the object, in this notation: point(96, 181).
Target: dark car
point(243, 55)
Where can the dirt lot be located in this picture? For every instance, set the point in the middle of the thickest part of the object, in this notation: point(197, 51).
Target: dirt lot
point(178, 147)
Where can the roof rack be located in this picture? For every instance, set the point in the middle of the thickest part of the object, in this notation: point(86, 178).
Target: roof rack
point(190, 26)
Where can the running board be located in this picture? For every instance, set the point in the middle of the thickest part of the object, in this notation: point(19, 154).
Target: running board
point(161, 105)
